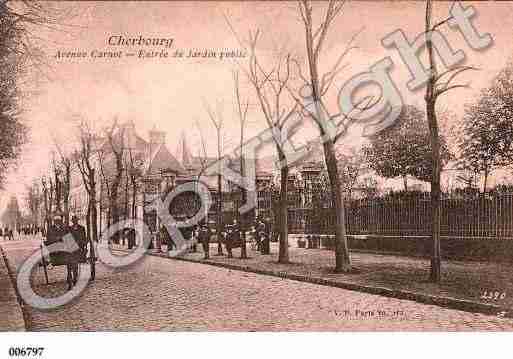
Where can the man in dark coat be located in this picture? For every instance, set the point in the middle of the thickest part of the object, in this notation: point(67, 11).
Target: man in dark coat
point(131, 234)
point(79, 235)
point(204, 237)
point(233, 238)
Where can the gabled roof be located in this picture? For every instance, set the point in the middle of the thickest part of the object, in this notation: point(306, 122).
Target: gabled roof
point(162, 159)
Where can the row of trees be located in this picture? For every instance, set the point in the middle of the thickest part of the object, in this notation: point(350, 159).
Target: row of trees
point(483, 140)
point(12, 66)
point(280, 89)
point(106, 167)
point(413, 146)
point(22, 63)
point(487, 141)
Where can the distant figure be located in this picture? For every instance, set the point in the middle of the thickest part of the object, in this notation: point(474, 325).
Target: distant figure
point(131, 238)
point(233, 239)
point(204, 238)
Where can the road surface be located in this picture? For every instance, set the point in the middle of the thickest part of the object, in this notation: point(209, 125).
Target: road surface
point(170, 295)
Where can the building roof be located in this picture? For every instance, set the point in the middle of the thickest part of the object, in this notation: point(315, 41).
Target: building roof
point(162, 159)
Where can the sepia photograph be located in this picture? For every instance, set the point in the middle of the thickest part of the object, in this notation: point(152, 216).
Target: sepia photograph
point(227, 167)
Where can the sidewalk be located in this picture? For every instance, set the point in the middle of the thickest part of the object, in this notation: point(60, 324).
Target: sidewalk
point(463, 284)
point(11, 315)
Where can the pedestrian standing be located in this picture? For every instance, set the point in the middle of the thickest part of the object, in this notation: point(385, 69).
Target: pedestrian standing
point(204, 237)
point(131, 238)
point(79, 256)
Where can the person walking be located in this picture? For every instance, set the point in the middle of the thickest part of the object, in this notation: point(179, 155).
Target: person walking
point(78, 256)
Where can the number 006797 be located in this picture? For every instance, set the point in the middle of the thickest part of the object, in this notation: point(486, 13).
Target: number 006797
point(25, 352)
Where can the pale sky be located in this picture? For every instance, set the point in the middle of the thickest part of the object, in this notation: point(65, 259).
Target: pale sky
point(169, 93)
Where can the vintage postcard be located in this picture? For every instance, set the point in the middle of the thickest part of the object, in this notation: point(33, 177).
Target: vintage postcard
point(242, 166)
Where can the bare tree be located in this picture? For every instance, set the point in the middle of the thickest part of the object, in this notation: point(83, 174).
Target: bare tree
point(202, 155)
point(83, 157)
point(319, 85)
point(217, 122)
point(242, 111)
point(114, 136)
point(203, 159)
point(56, 188)
point(48, 195)
point(104, 185)
point(63, 177)
point(437, 84)
point(134, 173)
point(277, 108)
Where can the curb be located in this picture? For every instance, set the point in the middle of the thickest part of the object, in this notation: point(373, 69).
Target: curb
point(19, 301)
point(444, 302)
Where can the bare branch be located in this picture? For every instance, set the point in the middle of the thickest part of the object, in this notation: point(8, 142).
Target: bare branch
point(440, 92)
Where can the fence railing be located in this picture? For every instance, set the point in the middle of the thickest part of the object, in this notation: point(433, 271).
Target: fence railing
point(482, 216)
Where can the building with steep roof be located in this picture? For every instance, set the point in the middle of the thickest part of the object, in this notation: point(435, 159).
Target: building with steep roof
point(143, 160)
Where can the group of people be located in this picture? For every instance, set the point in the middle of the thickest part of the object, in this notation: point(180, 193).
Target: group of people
point(56, 233)
point(7, 233)
point(230, 236)
point(261, 231)
point(29, 230)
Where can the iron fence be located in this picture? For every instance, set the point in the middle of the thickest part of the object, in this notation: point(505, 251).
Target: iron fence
point(477, 216)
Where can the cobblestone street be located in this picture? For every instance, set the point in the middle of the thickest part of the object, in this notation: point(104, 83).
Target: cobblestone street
point(164, 294)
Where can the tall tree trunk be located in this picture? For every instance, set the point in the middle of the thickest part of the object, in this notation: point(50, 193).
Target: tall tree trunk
point(243, 216)
point(134, 199)
point(114, 210)
point(46, 223)
point(126, 214)
point(94, 223)
point(435, 273)
point(283, 252)
point(405, 183)
point(485, 179)
point(88, 220)
point(100, 225)
point(67, 185)
point(219, 218)
point(342, 258)
point(94, 212)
